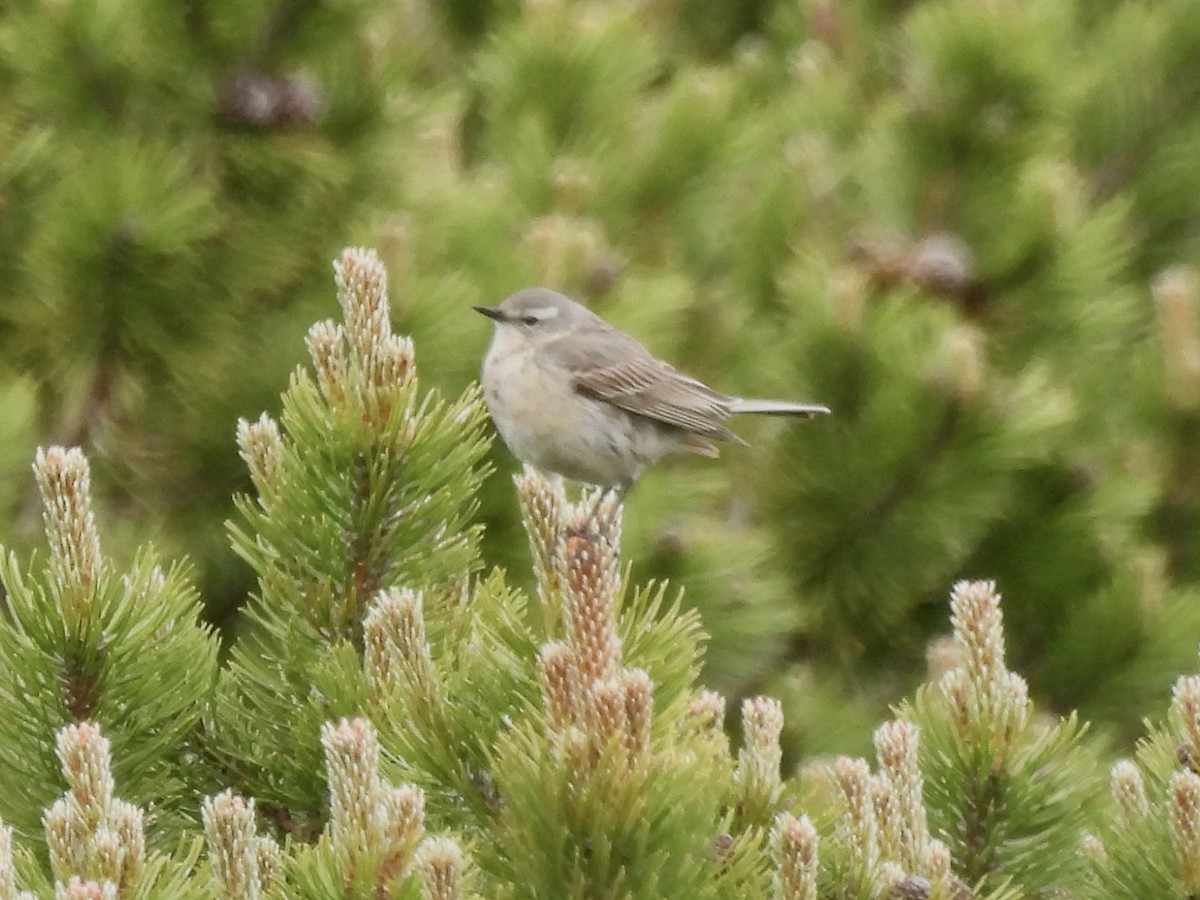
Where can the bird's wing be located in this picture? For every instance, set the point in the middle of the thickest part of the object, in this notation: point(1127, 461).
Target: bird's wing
point(607, 364)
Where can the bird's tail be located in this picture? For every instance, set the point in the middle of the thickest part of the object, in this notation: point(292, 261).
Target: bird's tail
point(776, 407)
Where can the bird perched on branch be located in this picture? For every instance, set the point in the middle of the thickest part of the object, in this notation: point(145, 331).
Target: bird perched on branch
point(573, 395)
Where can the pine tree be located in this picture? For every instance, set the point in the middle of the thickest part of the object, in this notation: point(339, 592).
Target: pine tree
point(171, 178)
point(1149, 844)
point(395, 721)
point(398, 718)
point(968, 228)
point(363, 486)
point(955, 224)
point(84, 641)
point(367, 613)
point(934, 219)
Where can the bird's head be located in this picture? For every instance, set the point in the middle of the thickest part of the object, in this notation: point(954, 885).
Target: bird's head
point(538, 313)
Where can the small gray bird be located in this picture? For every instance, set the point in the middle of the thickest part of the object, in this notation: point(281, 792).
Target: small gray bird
point(572, 395)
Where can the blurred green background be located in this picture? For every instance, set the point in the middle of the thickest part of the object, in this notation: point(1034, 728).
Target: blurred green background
point(971, 227)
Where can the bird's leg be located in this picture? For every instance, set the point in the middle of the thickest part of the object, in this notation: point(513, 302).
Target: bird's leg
point(593, 508)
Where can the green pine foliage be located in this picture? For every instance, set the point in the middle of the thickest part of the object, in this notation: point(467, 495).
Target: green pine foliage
point(967, 227)
point(1011, 796)
point(958, 224)
point(1148, 846)
point(364, 485)
point(915, 214)
point(85, 640)
point(151, 154)
point(393, 720)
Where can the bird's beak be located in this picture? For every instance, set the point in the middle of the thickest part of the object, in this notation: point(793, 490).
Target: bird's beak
point(492, 312)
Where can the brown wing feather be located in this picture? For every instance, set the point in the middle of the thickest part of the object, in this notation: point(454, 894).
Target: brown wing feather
point(607, 364)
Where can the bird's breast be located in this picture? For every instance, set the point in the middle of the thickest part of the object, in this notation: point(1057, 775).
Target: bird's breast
point(546, 423)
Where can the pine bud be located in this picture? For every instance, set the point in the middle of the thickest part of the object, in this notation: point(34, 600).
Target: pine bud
point(229, 829)
point(859, 824)
point(66, 839)
point(8, 871)
point(439, 860)
point(355, 788)
point(404, 823)
point(956, 688)
point(708, 710)
point(794, 845)
point(1128, 791)
point(889, 817)
point(990, 704)
point(130, 836)
point(325, 345)
point(86, 758)
point(370, 824)
point(978, 628)
point(1014, 706)
point(1185, 828)
point(261, 447)
point(937, 861)
point(89, 833)
point(543, 513)
point(558, 678)
point(106, 857)
point(8, 874)
point(270, 861)
point(589, 614)
point(1185, 711)
point(380, 657)
point(395, 365)
point(362, 293)
point(759, 760)
point(397, 652)
point(76, 563)
point(904, 823)
point(606, 711)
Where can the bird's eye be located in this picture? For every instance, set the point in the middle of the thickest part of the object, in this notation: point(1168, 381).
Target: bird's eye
point(529, 320)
